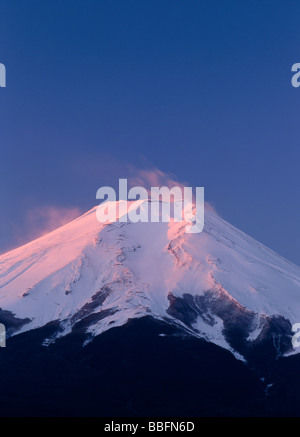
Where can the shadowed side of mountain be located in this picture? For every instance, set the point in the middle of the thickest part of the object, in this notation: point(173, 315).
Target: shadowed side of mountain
point(121, 374)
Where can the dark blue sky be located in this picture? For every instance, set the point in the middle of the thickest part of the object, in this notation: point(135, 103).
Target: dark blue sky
point(201, 89)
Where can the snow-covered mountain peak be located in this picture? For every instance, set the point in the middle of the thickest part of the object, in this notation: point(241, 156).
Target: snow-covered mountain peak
point(96, 276)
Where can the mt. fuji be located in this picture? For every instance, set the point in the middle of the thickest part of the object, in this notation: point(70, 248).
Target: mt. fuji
point(86, 279)
point(220, 285)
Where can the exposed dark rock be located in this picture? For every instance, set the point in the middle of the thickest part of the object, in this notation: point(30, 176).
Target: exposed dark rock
point(11, 322)
point(273, 341)
point(97, 300)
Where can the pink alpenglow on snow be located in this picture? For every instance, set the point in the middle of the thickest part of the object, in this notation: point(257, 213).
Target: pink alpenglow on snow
point(136, 267)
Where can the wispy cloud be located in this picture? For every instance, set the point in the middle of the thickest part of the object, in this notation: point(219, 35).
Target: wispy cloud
point(152, 178)
point(38, 221)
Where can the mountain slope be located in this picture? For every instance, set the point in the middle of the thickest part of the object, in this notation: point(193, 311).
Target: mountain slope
point(132, 370)
point(220, 285)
